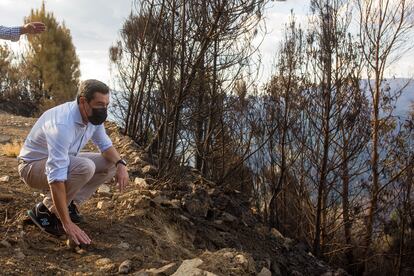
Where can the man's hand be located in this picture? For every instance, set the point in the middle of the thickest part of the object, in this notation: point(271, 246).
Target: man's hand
point(76, 234)
point(33, 28)
point(122, 177)
point(58, 191)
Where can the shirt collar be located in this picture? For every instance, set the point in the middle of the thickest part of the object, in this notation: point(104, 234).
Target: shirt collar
point(76, 113)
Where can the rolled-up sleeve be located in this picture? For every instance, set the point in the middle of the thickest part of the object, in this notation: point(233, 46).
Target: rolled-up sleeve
point(101, 139)
point(58, 144)
point(8, 33)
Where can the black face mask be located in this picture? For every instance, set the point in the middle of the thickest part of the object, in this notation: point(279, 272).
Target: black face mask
point(98, 115)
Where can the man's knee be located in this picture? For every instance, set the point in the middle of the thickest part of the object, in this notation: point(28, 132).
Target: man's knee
point(84, 168)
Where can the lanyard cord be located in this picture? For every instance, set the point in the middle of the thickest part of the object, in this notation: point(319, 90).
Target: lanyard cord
point(80, 143)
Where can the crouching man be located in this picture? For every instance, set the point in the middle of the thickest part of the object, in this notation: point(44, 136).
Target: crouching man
point(51, 160)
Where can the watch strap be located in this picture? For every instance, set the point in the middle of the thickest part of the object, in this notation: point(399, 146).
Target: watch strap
point(120, 161)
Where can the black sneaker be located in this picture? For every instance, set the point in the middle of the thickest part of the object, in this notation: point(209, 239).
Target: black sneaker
point(74, 214)
point(46, 220)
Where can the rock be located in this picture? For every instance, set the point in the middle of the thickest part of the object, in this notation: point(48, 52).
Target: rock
point(165, 270)
point(100, 205)
point(190, 268)
point(103, 261)
point(104, 190)
point(139, 161)
point(19, 254)
point(105, 265)
point(296, 273)
point(184, 218)
point(5, 243)
point(228, 255)
point(160, 199)
point(5, 178)
point(72, 245)
point(228, 217)
point(123, 245)
point(150, 170)
point(164, 201)
point(4, 139)
point(287, 243)
point(241, 259)
point(265, 272)
point(153, 193)
point(276, 234)
point(81, 251)
point(103, 205)
point(141, 183)
point(175, 204)
point(198, 203)
point(149, 193)
point(276, 269)
point(125, 267)
point(142, 202)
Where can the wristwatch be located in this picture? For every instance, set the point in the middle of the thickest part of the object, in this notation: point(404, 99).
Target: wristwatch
point(121, 161)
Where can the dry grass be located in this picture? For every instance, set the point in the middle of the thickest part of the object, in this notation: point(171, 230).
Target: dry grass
point(10, 149)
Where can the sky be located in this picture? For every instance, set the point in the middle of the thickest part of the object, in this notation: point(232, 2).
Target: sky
point(95, 26)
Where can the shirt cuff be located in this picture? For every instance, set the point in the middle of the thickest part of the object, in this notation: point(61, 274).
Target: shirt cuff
point(103, 148)
point(60, 174)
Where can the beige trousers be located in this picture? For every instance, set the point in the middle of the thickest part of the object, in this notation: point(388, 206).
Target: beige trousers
point(86, 172)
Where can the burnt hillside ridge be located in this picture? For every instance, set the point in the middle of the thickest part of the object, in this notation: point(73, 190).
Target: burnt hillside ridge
point(168, 226)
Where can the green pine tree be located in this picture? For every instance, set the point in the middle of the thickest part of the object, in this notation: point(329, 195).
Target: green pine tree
point(51, 62)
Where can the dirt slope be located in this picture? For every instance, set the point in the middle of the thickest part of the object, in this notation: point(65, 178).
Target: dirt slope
point(148, 230)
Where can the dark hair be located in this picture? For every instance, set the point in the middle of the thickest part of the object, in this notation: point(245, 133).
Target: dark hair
point(88, 88)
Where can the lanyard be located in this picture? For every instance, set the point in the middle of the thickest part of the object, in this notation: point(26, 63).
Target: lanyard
point(80, 143)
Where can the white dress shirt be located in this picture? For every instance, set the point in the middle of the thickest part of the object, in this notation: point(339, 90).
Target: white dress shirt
point(58, 134)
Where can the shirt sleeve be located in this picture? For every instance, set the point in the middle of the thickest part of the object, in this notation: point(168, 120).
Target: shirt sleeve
point(58, 143)
point(101, 139)
point(8, 33)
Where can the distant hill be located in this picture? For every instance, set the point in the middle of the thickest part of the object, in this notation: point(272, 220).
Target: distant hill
point(406, 99)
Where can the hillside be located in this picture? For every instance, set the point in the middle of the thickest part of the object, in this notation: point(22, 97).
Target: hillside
point(155, 228)
point(406, 100)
